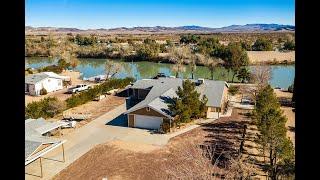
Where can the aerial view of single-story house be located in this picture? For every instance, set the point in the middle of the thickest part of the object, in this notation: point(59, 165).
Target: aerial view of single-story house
point(155, 94)
point(36, 143)
point(47, 80)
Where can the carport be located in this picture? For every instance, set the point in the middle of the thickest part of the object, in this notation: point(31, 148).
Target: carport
point(35, 149)
point(37, 142)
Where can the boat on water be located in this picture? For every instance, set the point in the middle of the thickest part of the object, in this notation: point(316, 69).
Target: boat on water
point(96, 78)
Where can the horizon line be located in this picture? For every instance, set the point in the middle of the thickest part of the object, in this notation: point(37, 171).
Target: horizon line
point(154, 26)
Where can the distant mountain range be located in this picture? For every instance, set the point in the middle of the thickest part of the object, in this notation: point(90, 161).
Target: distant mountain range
point(163, 29)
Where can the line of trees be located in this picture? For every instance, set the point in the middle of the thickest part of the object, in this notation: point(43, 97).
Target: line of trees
point(86, 96)
point(270, 121)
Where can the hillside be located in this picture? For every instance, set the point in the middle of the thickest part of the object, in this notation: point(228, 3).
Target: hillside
point(163, 29)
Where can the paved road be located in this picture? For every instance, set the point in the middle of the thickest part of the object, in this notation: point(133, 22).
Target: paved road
point(85, 138)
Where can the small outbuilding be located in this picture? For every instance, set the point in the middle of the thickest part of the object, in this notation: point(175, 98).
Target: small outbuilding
point(45, 80)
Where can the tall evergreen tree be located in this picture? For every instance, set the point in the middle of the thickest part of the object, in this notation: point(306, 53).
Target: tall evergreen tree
point(271, 124)
point(188, 104)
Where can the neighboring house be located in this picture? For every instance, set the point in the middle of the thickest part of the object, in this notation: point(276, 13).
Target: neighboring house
point(47, 80)
point(154, 95)
point(36, 144)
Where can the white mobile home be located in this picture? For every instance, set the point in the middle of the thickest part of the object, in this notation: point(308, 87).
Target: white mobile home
point(47, 80)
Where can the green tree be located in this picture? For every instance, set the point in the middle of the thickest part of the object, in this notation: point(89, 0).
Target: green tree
point(211, 64)
point(236, 58)
point(188, 104)
point(148, 50)
point(187, 39)
point(262, 44)
point(294, 91)
point(246, 45)
point(271, 124)
point(289, 45)
point(193, 67)
point(243, 75)
point(208, 46)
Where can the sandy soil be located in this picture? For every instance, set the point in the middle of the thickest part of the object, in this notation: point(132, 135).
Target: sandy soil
point(282, 94)
point(291, 124)
point(119, 160)
point(256, 57)
point(134, 147)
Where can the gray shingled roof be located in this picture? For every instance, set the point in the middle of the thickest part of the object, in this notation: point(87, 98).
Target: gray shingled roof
point(34, 78)
point(164, 88)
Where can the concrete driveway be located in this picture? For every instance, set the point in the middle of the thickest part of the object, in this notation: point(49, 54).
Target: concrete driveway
point(101, 130)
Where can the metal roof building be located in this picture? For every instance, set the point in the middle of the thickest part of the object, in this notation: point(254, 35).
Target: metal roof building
point(37, 145)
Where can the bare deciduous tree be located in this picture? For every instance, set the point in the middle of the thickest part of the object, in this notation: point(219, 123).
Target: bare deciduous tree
point(212, 64)
point(112, 68)
point(178, 68)
point(261, 75)
point(180, 54)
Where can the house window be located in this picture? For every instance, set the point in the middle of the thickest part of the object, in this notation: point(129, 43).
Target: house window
point(148, 108)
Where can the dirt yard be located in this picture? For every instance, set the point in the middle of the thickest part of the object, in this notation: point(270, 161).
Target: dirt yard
point(256, 57)
point(180, 159)
point(291, 124)
point(61, 94)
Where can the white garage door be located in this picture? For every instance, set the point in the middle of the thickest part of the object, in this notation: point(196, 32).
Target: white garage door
point(147, 122)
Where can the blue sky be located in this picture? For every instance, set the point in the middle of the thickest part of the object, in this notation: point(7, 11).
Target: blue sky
point(86, 14)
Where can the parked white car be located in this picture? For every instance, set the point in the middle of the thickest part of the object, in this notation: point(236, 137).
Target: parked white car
point(78, 88)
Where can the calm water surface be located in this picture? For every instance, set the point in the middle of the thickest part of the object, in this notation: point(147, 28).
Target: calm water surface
point(282, 75)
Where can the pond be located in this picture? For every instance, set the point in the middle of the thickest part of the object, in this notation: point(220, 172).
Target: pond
point(282, 75)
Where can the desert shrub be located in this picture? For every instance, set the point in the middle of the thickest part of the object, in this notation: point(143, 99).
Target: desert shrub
point(233, 90)
point(289, 45)
point(86, 96)
point(43, 91)
point(52, 68)
point(165, 126)
point(262, 44)
point(47, 107)
point(55, 107)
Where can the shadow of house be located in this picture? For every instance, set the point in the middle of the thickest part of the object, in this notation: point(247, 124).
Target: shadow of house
point(120, 120)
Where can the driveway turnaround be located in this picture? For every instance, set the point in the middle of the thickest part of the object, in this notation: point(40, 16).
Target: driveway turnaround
point(85, 138)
